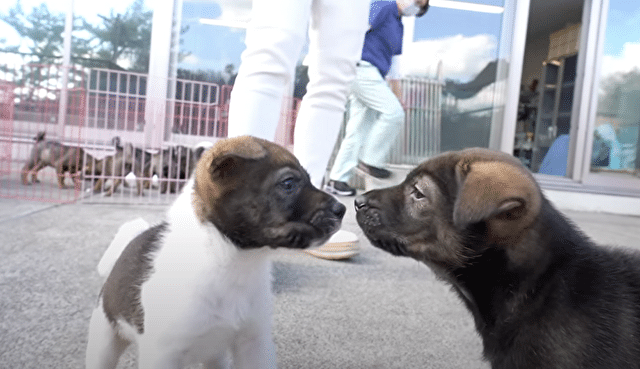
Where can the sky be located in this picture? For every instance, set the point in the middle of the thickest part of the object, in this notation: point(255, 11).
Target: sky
point(464, 45)
point(434, 29)
point(87, 9)
point(201, 39)
point(622, 38)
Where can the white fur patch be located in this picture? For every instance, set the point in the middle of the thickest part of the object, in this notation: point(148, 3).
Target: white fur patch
point(204, 298)
point(125, 234)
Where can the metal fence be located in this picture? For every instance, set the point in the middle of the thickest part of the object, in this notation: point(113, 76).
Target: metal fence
point(130, 138)
point(141, 146)
point(6, 126)
point(420, 137)
point(32, 97)
point(132, 145)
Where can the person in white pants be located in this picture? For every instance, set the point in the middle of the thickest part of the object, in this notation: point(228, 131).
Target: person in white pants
point(376, 114)
point(275, 37)
point(375, 118)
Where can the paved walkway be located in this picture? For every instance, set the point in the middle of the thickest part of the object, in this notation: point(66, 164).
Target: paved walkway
point(373, 311)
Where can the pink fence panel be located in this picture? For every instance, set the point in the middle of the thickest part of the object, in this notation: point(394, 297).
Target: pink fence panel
point(6, 126)
point(110, 117)
point(42, 156)
point(197, 109)
point(116, 100)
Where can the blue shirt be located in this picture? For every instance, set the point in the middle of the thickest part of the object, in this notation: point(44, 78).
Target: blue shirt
point(383, 40)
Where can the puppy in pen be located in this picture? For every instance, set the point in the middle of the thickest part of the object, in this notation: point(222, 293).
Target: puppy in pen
point(111, 167)
point(52, 153)
point(173, 166)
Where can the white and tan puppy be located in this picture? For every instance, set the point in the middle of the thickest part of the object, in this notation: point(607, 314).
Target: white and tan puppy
point(196, 287)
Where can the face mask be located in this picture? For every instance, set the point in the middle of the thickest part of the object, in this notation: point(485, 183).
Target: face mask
point(410, 10)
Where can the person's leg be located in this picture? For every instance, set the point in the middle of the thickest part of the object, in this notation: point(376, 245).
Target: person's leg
point(336, 36)
point(373, 95)
point(274, 40)
point(385, 129)
point(360, 119)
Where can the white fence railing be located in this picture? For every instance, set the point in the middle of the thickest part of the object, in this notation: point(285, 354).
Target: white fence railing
point(421, 133)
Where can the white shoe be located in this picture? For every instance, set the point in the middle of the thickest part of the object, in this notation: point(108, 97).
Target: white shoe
point(342, 245)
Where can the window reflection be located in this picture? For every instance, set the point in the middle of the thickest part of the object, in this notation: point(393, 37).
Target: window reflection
point(465, 44)
point(549, 76)
point(212, 40)
point(617, 125)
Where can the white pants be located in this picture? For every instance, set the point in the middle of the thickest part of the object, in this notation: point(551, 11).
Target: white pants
point(277, 32)
point(375, 118)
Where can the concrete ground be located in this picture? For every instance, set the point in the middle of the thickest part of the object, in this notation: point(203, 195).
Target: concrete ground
point(373, 311)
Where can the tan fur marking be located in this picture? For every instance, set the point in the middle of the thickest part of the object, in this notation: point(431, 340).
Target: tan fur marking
point(505, 195)
point(206, 191)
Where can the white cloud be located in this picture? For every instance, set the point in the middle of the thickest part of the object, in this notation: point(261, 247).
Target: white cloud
point(486, 97)
point(190, 59)
point(237, 10)
point(232, 10)
point(462, 57)
point(626, 61)
point(8, 32)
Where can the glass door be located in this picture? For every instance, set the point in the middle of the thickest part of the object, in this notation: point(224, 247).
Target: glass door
point(547, 107)
point(554, 120)
point(461, 44)
point(615, 130)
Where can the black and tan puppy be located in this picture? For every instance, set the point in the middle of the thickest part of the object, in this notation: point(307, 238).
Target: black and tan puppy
point(182, 163)
point(138, 163)
point(112, 167)
point(542, 294)
point(173, 166)
point(64, 158)
point(197, 287)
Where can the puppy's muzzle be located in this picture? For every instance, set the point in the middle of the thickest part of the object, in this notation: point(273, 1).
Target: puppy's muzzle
point(338, 209)
point(360, 202)
point(367, 216)
point(330, 219)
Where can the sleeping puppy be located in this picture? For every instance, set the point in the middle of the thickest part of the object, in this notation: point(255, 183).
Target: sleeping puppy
point(197, 286)
point(541, 293)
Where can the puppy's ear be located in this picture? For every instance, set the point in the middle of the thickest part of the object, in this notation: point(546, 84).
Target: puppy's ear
point(225, 166)
point(501, 194)
point(228, 156)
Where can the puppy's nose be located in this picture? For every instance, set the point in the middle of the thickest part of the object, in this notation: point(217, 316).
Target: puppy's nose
point(338, 209)
point(360, 202)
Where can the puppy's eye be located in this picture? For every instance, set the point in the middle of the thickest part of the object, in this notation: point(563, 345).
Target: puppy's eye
point(416, 193)
point(289, 184)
